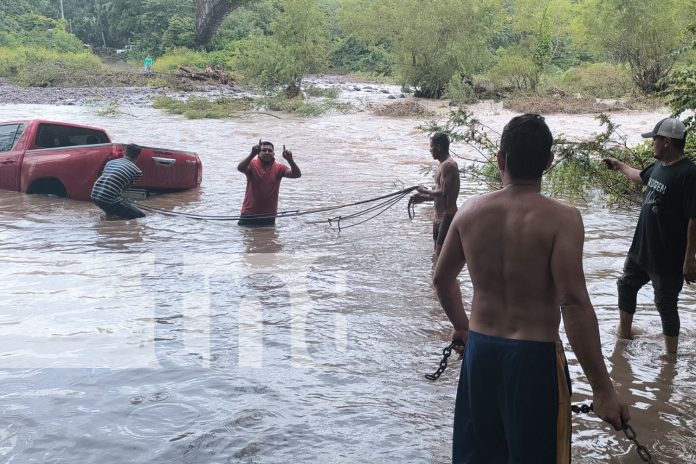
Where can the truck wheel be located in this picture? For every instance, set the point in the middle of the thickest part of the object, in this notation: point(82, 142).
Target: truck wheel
point(49, 186)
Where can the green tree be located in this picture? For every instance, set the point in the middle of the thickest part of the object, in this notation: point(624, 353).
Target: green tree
point(298, 44)
point(431, 40)
point(647, 34)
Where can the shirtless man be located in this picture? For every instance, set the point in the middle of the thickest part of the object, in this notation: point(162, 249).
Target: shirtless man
point(446, 189)
point(524, 253)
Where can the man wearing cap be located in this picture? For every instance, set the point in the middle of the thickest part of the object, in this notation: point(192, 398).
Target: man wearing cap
point(663, 250)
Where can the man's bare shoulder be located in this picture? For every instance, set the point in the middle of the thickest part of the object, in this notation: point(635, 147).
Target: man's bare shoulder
point(449, 165)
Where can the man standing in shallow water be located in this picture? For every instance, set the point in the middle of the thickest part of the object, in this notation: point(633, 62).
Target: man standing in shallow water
point(446, 191)
point(663, 250)
point(263, 175)
point(524, 254)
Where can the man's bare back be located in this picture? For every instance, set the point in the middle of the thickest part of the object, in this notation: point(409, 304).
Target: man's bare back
point(524, 255)
point(508, 239)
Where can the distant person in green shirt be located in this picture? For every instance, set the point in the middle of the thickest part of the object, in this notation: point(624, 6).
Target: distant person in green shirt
point(148, 64)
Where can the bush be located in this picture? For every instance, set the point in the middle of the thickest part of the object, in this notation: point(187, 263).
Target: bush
point(48, 68)
point(326, 92)
point(601, 80)
point(460, 91)
point(513, 70)
point(185, 57)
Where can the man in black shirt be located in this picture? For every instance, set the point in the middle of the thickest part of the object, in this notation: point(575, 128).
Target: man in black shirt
point(663, 250)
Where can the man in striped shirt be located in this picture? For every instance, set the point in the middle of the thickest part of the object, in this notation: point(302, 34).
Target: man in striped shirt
point(118, 175)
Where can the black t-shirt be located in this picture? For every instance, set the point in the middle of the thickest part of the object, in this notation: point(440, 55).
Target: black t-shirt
point(659, 243)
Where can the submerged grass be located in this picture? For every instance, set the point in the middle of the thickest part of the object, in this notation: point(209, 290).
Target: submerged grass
point(202, 108)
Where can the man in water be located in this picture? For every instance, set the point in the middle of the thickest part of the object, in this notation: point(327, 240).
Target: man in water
point(663, 250)
point(446, 191)
point(263, 175)
point(524, 254)
point(118, 175)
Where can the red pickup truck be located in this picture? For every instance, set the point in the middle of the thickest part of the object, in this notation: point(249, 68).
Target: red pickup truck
point(65, 160)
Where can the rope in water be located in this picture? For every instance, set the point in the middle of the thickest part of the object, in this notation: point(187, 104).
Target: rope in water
point(389, 200)
point(642, 451)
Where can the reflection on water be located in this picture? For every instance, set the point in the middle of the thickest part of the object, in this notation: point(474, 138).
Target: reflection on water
point(167, 339)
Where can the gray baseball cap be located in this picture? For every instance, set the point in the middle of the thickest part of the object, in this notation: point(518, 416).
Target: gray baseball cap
point(669, 127)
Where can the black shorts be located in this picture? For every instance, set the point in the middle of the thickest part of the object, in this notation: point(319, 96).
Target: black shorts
point(253, 220)
point(440, 229)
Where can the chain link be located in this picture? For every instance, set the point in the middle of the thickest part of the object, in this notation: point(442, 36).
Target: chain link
point(446, 353)
point(643, 452)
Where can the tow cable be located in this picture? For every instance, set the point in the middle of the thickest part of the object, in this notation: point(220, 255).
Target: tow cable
point(385, 203)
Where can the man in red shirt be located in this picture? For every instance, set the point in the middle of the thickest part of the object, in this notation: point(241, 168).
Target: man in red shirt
point(263, 183)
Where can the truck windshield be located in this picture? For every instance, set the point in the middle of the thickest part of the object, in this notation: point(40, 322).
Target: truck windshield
point(9, 134)
point(54, 135)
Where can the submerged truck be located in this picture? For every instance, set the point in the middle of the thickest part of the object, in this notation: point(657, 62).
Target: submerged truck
point(65, 160)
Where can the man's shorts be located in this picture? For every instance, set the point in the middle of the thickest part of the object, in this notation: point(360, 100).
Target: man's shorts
point(513, 403)
point(122, 209)
point(254, 220)
point(440, 229)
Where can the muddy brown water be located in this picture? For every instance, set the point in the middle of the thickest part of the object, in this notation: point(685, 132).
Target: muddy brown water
point(170, 340)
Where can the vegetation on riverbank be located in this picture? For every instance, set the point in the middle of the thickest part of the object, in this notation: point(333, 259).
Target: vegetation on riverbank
point(461, 49)
point(577, 171)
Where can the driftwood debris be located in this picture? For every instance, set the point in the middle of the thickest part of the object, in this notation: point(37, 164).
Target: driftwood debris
point(210, 75)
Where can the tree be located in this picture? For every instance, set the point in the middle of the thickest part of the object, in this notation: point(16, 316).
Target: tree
point(647, 34)
point(432, 41)
point(298, 44)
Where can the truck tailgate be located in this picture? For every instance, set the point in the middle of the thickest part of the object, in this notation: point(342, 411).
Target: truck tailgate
point(168, 169)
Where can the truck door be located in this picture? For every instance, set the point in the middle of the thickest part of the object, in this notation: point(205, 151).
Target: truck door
point(10, 156)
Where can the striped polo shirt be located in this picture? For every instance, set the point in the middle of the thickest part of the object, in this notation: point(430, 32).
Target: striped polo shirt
point(118, 175)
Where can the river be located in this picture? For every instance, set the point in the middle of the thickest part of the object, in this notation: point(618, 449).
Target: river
point(170, 340)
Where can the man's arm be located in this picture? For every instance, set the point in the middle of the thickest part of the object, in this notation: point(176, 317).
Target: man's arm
point(580, 320)
point(632, 174)
point(294, 171)
point(243, 165)
point(449, 265)
point(446, 183)
point(690, 257)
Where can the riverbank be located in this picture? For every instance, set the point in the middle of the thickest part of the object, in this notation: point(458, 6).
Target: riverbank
point(363, 95)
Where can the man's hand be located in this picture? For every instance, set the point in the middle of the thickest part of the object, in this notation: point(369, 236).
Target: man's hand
point(612, 163)
point(690, 270)
point(287, 154)
point(462, 336)
point(417, 198)
point(609, 407)
point(423, 189)
point(256, 149)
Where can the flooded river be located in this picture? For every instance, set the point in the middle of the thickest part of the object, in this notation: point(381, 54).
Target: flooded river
point(170, 340)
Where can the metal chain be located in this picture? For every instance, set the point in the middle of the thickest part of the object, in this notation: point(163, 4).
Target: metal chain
point(643, 452)
point(443, 362)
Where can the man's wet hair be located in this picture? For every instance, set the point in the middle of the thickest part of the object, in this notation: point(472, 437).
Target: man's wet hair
point(266, 143)
point(526, 143)
point(133, 150)
point(441, 140)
